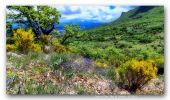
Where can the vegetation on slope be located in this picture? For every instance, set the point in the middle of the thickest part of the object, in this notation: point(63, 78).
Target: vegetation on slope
point(125, 56)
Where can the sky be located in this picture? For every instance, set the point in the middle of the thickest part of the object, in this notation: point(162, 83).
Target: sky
point(90, 16)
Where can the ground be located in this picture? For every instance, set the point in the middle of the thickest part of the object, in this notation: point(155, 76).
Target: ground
point(92, 81)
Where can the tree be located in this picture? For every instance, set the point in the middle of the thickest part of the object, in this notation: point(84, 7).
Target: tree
point(70, 32)
point(42, 19)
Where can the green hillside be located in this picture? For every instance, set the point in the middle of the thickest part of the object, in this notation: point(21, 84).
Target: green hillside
point(143, 21)
point(137, 34)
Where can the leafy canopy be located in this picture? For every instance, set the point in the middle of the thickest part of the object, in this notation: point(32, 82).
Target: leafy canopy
point(42, 19)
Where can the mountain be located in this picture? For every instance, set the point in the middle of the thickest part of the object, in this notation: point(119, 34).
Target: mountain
point(141, 22)
point(84, 24)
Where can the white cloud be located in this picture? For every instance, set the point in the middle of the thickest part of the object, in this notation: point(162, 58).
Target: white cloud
point(98, 13)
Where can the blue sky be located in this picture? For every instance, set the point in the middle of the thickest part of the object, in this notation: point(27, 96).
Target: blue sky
point(90, 16)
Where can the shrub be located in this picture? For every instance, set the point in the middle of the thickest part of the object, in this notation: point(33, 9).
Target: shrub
point(56, 60)
point(36, 48)
point(23, 39)
point(10, 47)
point(123, 44)
point(10, 40)
point(54, 41)
point(111, 73)
point(117, 60)
point(34, 88)
point(101, 64)
point(160, 65)
point(59, 48)
point(34, 55)
point(134, 74)
point(45, 39)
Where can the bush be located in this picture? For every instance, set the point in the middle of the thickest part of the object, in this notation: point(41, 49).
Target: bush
point(10, 40)
point(123, 44)
point(45, 39)
point(56, 60)
point(10, 47)
point(59, 48)
point(160, 64)
point(111, 73)
point(23, 39)
point(134, 74)
point(36, 48)
point(54, 41)
point(101, 63)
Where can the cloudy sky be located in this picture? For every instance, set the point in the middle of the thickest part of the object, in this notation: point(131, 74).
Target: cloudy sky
point(90, 15)
point(97, 13)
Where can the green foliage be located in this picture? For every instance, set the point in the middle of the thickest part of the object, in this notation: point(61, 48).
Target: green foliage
point(134, 74)
point(57, 59)
point(69, 72)
point(45, 40)
point(10, 40)
point(44, 15)
point(111, 73)
point(80, 90)
point(123, 44)
point(70, 32)
point(160, 64)
point(32, 88)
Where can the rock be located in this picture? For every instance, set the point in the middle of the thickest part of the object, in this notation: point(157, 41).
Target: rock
point(154, 87)
point(103, 87)
point(124, 92)
point(13, 54)
point(48, 49)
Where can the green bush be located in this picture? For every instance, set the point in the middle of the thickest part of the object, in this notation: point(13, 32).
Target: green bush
point(160, 64)
point(57, 59)
point(10, 40)
point(123, 44)
point(111, 73)
point(45, 40)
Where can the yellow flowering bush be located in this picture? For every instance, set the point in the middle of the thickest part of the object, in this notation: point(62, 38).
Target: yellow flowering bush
point(36, 48)
point(10, 47)
point(23, 39)
point(134, 74)
point(59, 48)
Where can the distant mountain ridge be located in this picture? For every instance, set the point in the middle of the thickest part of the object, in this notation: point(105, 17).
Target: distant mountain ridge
point(85, 24)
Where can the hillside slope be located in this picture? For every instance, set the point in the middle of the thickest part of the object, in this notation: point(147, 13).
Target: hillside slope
point(141, 21)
